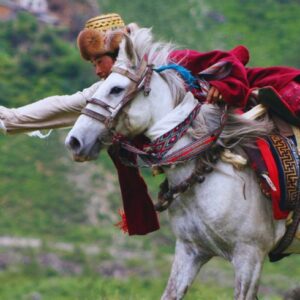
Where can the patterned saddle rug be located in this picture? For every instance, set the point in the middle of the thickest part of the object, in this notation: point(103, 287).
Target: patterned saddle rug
point(282, 161)
point(281, 158)
point(285, 153)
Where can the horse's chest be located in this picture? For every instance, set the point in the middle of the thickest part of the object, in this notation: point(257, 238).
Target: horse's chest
point(189, 228)
point(191, 225)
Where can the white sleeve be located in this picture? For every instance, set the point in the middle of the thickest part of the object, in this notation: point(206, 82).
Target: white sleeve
point(48, 113)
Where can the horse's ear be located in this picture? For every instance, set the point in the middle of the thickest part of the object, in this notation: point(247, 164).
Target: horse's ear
point(129, 50)
point(113, 40)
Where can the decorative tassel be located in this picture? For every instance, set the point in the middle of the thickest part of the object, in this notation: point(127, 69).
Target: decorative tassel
point(122, 225)
point(186, 74)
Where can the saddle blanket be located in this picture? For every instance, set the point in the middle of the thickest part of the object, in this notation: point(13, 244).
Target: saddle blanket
point(282, 162)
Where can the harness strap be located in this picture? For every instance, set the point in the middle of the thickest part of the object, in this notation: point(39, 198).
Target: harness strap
point(133, 77)
point(98, 102)
point(193, 149)
point(95, 115)
point(132, 91)
point(166, 141)
point(147, 80)
point(289, 235)
point(184, 154)
point(140, 80)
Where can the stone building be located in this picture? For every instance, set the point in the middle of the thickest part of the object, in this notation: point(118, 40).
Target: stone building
point(69, 13)
point(34, 6)
point(7, 10)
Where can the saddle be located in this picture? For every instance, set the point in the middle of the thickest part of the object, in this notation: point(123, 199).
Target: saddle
point(280, 160)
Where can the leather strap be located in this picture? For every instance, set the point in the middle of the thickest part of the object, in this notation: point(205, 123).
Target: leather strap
point(289, 235)
point(184, 154)
point(98, 102)
point(95, 115)
point(135, 78)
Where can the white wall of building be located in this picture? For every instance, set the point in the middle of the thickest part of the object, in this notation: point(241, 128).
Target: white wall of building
point(35, 6)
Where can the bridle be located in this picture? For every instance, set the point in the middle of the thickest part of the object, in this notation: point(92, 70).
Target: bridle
point(140, 81)
point(149, 154)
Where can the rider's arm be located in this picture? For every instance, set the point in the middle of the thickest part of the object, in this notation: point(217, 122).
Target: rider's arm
point(48, 113)
point(233, 87)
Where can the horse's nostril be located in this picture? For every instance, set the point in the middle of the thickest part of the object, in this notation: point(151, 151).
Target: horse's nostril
point(74, 144)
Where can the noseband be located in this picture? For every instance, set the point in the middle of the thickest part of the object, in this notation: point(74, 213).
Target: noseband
point(140, 81)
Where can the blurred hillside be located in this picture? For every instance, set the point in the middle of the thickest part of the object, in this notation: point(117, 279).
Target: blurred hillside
point(270, 28)
point(57, 235)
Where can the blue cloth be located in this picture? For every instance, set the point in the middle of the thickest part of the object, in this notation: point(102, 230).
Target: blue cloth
point(187, 76)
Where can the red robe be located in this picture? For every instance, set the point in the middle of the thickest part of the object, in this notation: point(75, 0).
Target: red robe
point(284, 80)
point(234, 87)
point(237, 86)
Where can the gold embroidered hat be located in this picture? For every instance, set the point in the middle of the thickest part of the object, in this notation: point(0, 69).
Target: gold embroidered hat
point(105, 22)
point(101, 35)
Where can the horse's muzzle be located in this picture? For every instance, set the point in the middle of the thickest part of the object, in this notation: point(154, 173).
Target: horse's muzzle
point(80, 151)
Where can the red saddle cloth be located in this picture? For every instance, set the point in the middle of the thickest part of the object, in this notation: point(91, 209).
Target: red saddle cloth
point(281, 159)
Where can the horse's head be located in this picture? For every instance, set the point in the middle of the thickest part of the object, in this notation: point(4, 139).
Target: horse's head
point(130, 100)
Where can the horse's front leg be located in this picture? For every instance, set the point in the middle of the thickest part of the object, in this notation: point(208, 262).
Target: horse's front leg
point(186, 265)
point(247, 261)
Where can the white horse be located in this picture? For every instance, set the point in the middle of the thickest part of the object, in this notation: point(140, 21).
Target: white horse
point(226, 215)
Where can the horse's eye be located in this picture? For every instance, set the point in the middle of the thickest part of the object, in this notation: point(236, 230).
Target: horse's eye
point(116, 90)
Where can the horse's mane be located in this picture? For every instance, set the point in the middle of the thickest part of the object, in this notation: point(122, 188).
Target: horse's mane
point(158, 54)
point(238, 130)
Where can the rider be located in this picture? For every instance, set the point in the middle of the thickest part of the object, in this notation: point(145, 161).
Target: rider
point(279, 89)
point(98, 45)
point(62, 111)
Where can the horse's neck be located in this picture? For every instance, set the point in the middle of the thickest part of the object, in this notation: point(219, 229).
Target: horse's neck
point(160, 98)
point(172, 117)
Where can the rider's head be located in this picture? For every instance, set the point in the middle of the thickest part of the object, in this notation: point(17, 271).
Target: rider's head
point(99, 41)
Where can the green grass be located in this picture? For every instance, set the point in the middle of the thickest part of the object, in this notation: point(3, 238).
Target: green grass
point(20, 287)
point(16, 287)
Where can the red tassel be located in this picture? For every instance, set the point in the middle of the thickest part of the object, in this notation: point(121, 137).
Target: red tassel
point(123, 223)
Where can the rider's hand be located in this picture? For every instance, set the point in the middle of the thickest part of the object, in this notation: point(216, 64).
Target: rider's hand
point(214, 96)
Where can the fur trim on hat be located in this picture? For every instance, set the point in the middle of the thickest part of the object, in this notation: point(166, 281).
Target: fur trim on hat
point(93, 43)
